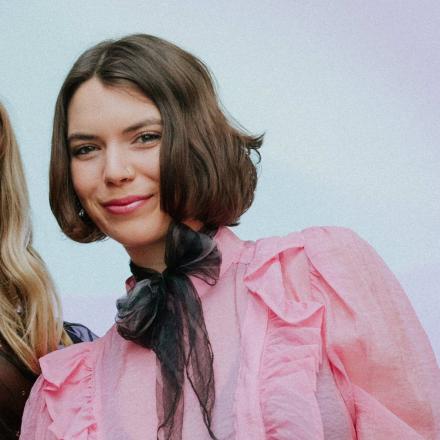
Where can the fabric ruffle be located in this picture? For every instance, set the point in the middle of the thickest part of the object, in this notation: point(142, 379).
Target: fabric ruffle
point(292, 347)
point(374, 338)
point(323, 291)
point(68, 391)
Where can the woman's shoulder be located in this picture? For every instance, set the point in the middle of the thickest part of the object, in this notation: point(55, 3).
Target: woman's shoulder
point(330, 245)
point(315, 266)
point(312, 237)
point(62, 396)
point(58, 367)
point(321, 240)
point(313, 243)
point(76, 360)
point(83, 351)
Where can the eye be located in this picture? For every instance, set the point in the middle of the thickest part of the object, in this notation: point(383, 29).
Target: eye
point(148, 138)
point(82, 150)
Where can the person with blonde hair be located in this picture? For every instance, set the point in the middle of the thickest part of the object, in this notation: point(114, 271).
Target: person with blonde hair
point(30, 312)
point(302, 337)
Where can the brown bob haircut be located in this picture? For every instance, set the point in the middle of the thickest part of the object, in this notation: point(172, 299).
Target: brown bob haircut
point(206, 167)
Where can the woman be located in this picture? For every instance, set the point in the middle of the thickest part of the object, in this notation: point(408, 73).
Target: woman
point(308, 336)
point(29, 307)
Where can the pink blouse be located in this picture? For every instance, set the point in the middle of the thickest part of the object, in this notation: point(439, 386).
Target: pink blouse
point(313, 338)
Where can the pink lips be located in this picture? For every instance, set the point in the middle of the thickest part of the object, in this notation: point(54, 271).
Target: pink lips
point(126, 205)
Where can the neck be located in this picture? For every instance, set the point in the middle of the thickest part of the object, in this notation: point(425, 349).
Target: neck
point(153, 255)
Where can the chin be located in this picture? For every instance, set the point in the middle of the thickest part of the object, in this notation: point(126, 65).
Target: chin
point(140, 236)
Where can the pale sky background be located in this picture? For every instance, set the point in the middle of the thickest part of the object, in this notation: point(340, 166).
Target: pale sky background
point(347, 93)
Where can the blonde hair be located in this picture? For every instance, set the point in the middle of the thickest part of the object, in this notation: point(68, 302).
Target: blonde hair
point(30, 311)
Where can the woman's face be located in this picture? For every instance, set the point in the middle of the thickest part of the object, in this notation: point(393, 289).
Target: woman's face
point(114, 137)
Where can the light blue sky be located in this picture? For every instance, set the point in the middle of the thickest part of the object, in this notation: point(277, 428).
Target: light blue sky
point(347, 93)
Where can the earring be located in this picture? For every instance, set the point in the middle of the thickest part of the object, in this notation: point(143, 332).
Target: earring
point(81, 213)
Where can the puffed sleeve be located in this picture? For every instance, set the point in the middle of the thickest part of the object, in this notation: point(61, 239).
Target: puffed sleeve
point(380, 354)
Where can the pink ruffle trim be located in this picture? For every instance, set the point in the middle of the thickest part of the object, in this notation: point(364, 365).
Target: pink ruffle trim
point(292, 351)
point(68, 391)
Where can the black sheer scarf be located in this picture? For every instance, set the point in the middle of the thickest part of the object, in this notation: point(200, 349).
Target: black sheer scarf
point(163, 312)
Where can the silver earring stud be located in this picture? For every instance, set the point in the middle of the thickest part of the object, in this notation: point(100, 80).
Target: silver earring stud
point(81, 213)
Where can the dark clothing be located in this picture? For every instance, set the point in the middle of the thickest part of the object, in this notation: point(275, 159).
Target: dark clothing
point(16, 382)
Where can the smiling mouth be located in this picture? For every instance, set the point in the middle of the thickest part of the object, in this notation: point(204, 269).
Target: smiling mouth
point(126, 205)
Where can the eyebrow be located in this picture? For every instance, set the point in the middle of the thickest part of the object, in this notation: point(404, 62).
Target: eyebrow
point(77, 136)
point(144, 123)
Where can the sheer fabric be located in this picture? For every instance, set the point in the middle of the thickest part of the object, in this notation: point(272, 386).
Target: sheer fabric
point(16, 382)
point(313, 339)
point(163, 312)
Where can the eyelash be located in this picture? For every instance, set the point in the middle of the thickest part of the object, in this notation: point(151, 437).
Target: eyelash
point(79, 151)
point(152, 137)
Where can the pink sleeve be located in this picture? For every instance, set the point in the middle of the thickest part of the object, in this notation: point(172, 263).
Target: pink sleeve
point(36, 420)
point(378, 350)
point(61, 402)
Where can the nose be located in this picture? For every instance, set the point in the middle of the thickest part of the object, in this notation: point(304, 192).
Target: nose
point(118, 169)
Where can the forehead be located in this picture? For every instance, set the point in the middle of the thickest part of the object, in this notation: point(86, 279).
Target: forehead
point(96, 107)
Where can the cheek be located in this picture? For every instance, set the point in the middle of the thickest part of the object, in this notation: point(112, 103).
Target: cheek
point(149, 164)
point(83, 181)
